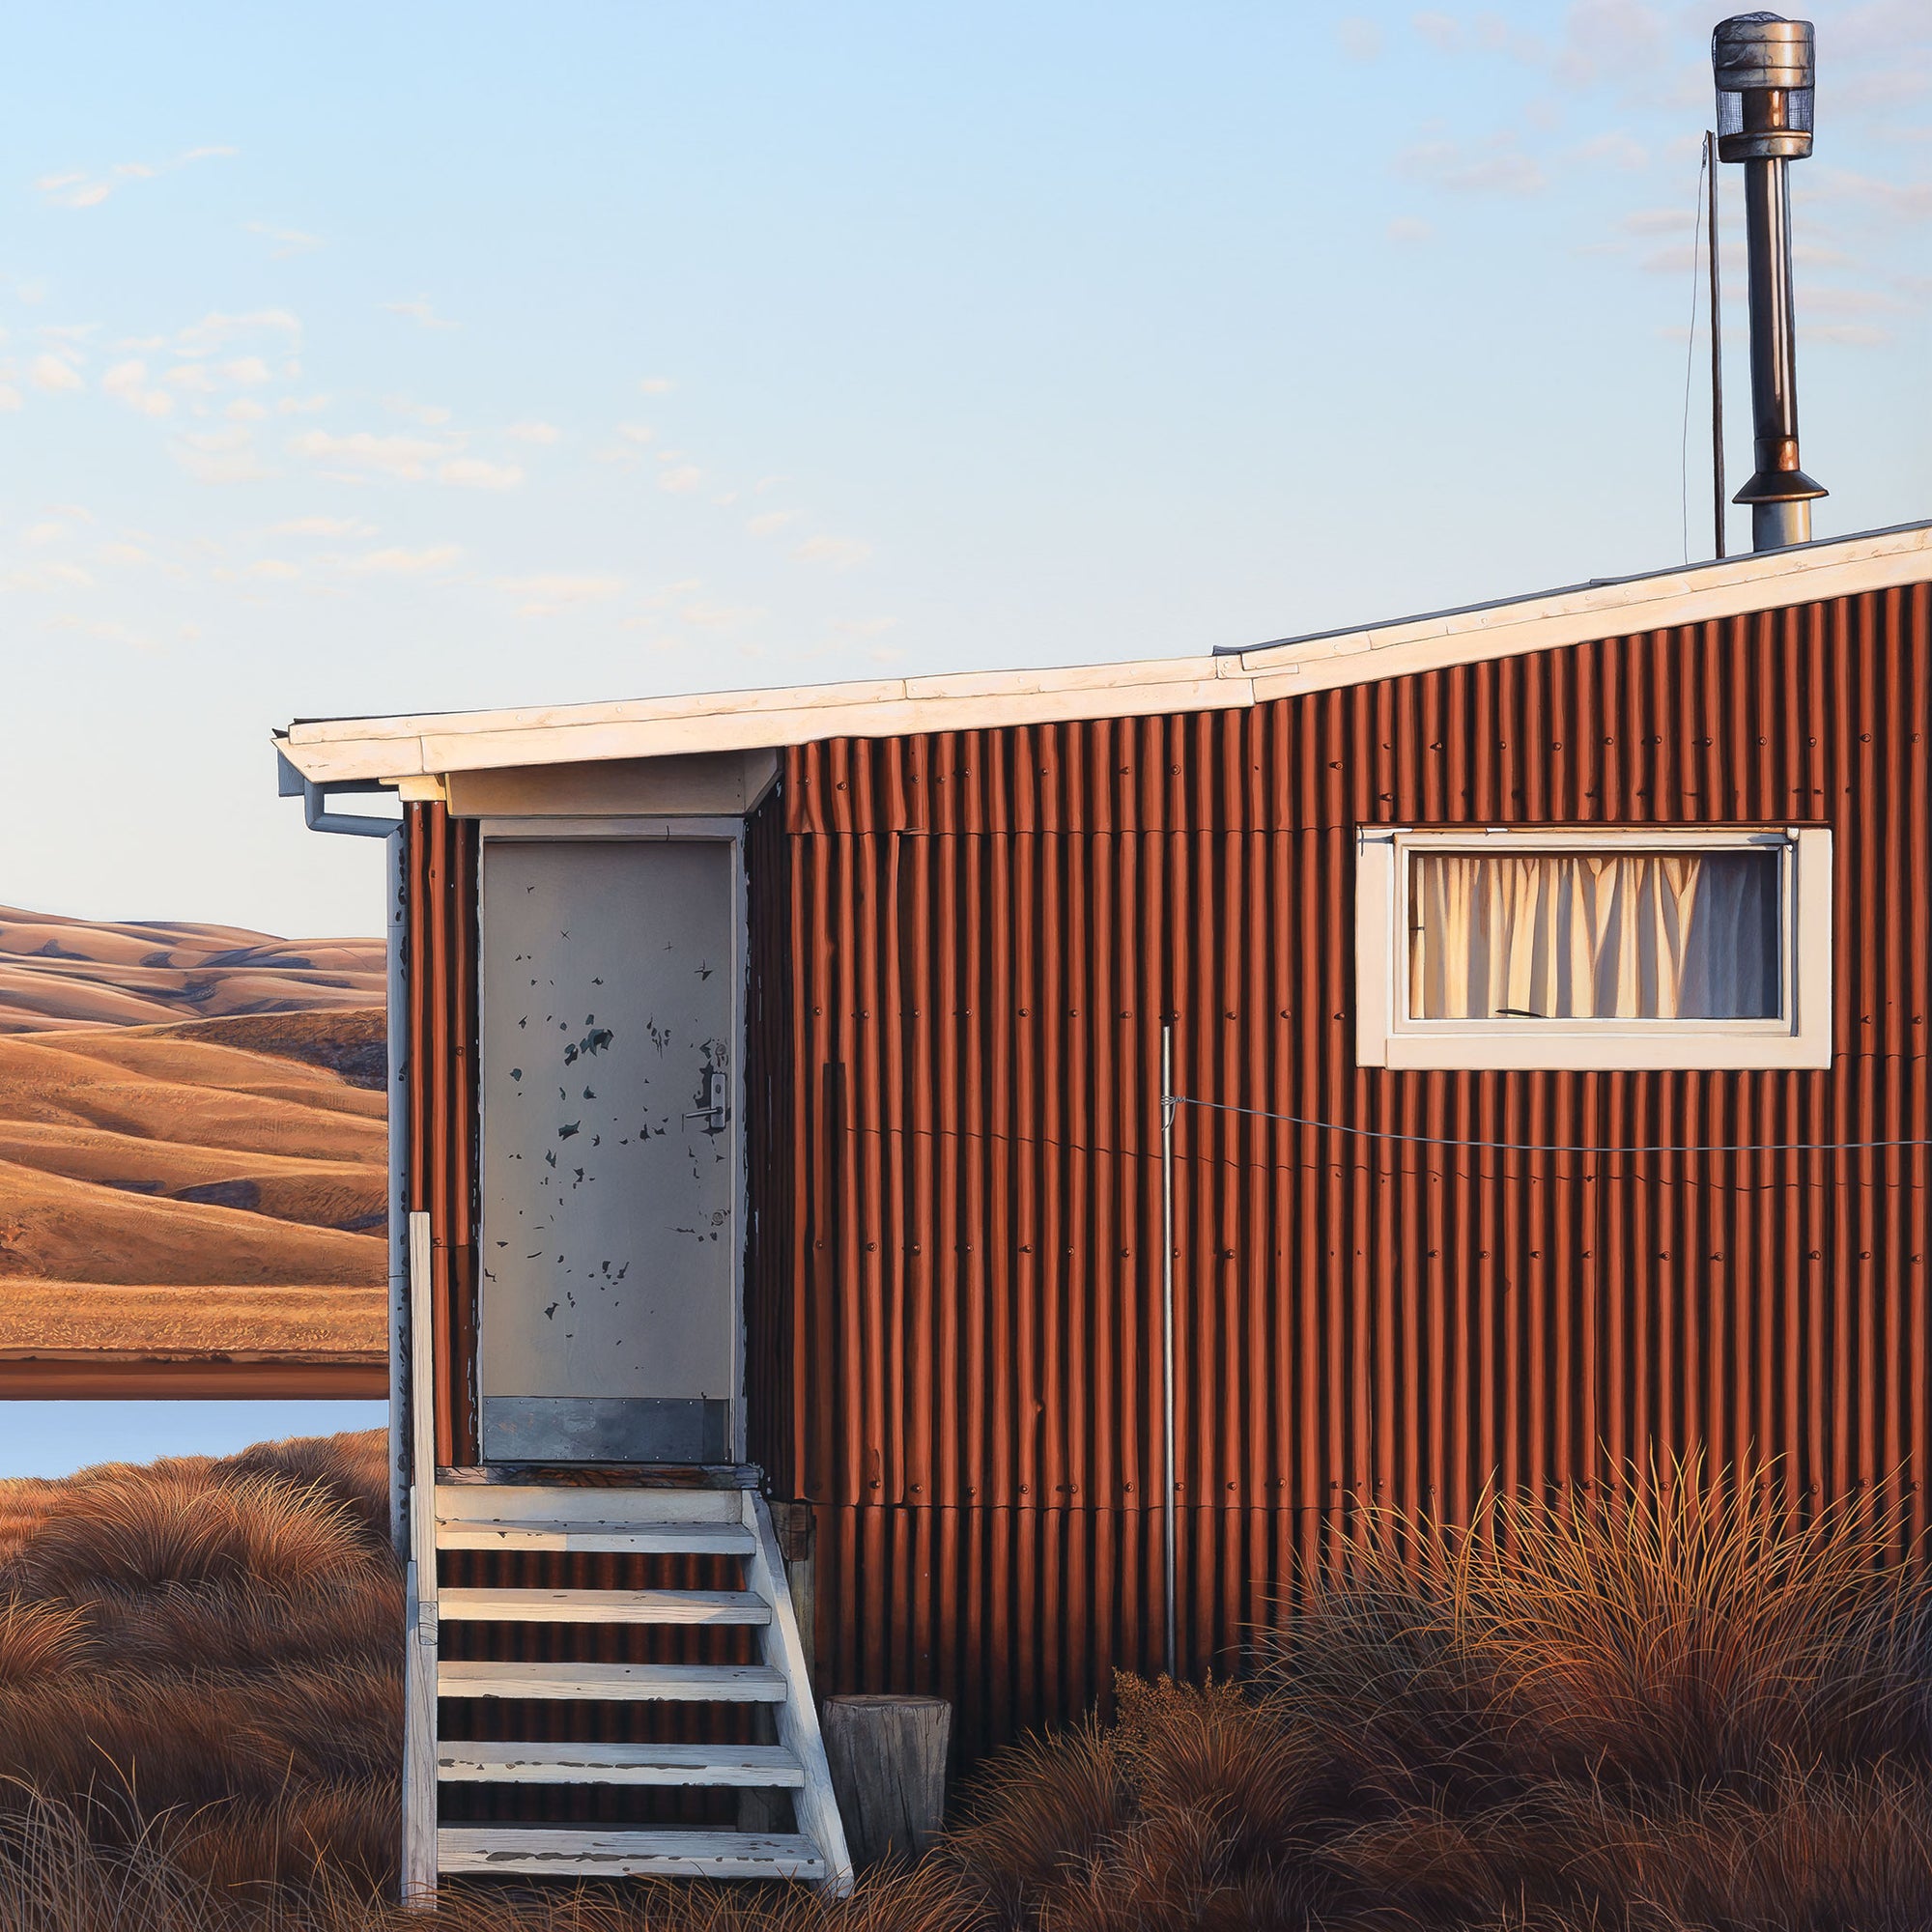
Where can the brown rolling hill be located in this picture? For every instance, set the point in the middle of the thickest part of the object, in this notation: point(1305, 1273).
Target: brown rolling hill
point(57, 973)
point(203, 1183)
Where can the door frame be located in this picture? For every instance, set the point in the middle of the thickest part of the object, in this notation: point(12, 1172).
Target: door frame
point(695, 830)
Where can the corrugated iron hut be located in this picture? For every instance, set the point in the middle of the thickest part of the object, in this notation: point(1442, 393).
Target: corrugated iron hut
point(1011, 1166)
point(779, 1087)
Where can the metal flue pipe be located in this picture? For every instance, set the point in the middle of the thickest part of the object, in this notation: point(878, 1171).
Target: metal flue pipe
point(1766, 78)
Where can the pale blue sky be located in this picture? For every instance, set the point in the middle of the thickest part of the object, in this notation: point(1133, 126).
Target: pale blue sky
point(381, 358)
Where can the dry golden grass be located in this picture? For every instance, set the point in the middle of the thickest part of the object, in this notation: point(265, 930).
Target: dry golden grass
point(66, 1314)
point(201, 1655)
point(1676, 1707)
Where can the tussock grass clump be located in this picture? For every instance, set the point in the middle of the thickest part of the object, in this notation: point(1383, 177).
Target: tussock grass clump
point(200, 1658)
point(1678, 1704)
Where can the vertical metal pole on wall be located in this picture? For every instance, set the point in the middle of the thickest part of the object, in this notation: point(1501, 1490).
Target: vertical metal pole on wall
point(1716, 344)
point(1167, 1330)
point(420, 1646)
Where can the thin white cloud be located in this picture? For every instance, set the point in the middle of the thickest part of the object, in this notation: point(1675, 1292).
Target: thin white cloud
point(288, 242)
point(1406, 232)
point(431, 415)
point(536, 432)
point(323, 526)
point(681, 479)
point(421, 313)
point(246, 372)
point(1442, 31)
point(83, 187)
point(398, 563)
point(1617, 148)
point(833, 552)
point(656, 386)
point(46, 576)
point(245, 409)
point(58, 378)
point(1360, 39)
point(1900, 202)
point(300, 406)
point(221, 456)
point(638, 433)
point(547, 592)
point(768, 521)
point(721, 616)
point(128, 383)
point(10, 399)
point(216, 329)
point(1658, 221)
point(471, 473)
point(406, 459)
point(1497, 166)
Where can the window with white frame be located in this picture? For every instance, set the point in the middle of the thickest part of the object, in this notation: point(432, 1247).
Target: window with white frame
point(1707, 947)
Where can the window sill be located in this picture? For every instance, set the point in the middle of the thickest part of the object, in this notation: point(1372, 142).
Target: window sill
point(1695, 1049)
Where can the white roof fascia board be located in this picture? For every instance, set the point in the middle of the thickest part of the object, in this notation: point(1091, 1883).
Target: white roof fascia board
point(336, 751)
point(748, 729)
point(748, 720)
point(1848, 567)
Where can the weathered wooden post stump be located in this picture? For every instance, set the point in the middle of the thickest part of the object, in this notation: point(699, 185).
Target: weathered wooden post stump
point(887, 1758)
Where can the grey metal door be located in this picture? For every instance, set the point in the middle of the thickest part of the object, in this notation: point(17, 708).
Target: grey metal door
point(610, 1170)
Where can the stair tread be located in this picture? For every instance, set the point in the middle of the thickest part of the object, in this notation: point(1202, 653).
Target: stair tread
point(532, 1532)
point(601, 1851)
point(756, 1767)
point(688, 1683)
point(604, 1606)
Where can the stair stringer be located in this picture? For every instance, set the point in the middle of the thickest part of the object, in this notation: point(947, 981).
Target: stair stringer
point(815, 1804)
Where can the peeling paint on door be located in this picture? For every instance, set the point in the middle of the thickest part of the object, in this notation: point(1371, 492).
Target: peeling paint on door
point(609, 1167)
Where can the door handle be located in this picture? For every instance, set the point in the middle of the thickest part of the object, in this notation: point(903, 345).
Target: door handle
point(716, 1112)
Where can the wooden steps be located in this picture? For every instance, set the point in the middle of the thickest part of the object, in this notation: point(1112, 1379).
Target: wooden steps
point(641, 1539)
point(638, 1520)
point(599, 1851)
point(749, 1767)
point(604, 1606)
point(670, 1682)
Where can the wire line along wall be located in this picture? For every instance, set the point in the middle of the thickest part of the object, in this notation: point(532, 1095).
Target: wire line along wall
point(964, 946)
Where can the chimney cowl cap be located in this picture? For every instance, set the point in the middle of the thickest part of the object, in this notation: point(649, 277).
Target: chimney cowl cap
point(1766, 73)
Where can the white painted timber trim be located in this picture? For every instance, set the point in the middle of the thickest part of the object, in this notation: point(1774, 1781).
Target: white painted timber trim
point(817, 1805)
point(430, 745)
point(655, 1683)
point(599, 1851)
point(420, 1634)
point(603, 1606)
point(493, 1503)
point(746, 1767)
point(1386, 1036)
point(647, 1538)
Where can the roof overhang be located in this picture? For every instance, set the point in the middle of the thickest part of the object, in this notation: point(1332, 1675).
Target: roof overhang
point(340, 752)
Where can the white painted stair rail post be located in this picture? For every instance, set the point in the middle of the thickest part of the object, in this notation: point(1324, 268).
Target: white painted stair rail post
point(419, 1649)
point(814, 1803)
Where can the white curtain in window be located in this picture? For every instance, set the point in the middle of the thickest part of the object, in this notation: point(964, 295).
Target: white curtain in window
point(1581, 935)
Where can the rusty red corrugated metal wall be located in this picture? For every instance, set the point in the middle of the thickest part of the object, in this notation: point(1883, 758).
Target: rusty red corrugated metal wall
point(441, 859)
point(963, 948)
